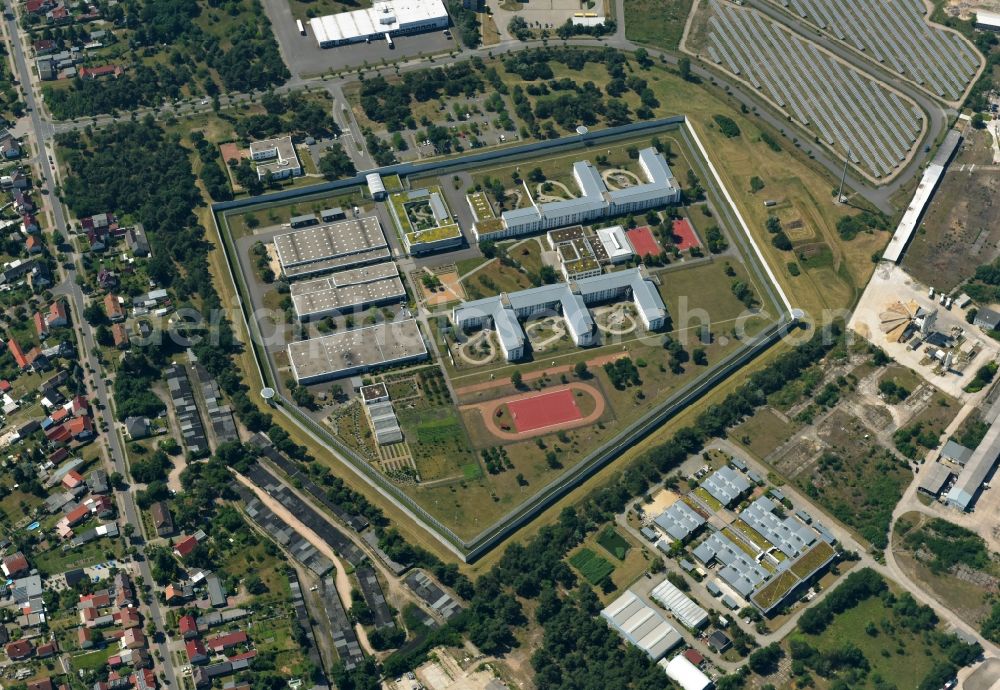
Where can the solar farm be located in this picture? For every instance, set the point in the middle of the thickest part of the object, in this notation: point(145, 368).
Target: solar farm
point(847, 110)
point(896, 35)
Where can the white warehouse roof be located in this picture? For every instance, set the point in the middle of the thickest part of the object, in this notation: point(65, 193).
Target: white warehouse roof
point(391, 16)
point(615, 243)
point(642, 625)
point(683, 607)
point(685, 674)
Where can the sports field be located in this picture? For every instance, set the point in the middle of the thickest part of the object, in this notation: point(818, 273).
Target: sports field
point(684, 235)
point(643, 242)
point(545, 410)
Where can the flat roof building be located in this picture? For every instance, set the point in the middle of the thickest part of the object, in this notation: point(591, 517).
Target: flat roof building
point(346, 291)
point(324, 248)
point(682, 606)
point(275, 157)
point(990, 21)
point(504, 312)
point(595, 200)
point(353, 352)
point(387, 18)
point(642, 625)
point(615, 244)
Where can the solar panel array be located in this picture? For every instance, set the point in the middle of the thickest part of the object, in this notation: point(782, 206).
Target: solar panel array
point(895, 34)
point(845, 108)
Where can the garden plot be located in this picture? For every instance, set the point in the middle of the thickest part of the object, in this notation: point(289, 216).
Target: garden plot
point(895, 34)
point(855, 116)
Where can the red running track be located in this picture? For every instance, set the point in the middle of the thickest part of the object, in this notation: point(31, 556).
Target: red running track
point(544, 410)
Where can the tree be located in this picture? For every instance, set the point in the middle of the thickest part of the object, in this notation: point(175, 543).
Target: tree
point(978, 121)
point(517, 379)
point(765, 660)
point(756, 184)
point(336, 164)
point(684, 68)
point(580, 369)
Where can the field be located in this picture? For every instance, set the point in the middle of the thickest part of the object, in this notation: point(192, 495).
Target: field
point(961, 227)
point(763, 432)
point(614, 543)
point(659, 24)
point(593, 567)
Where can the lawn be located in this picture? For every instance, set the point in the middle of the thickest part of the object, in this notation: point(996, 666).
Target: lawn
point(593, 567)
point(614, 543)
point(764, 432)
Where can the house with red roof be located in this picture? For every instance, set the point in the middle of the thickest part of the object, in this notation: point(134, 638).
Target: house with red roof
point(33, 244)
point(15, 564)
point(188, 627)
point(92, 73)
point(40, 328)
point(196, 651)
point(113, 308)
point(44, 651)
point(80, 428)
point(43, 684)
point(84, 637)
point(127, 618)
point(224, 642)
point(120, 336)
point(39, 6)
point(57, 316)
point(79, 405)
point(185, 546)
point(75, 517)
point(72, 479)
point(18, 354)
point(133, 638)
point(20, 649)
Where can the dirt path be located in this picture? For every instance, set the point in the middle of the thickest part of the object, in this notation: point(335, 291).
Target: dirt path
point(488, 411)
point(532, 375)
point(342, 581)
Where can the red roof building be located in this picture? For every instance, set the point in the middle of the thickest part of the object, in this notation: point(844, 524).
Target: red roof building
point(44, 651)
point(33, 244)
point(58, 434)
point(113, 308)
point(5, 386)
point(75, 517)
point(133, 638)
point(60, 415)
point(18, 354)
point(84, 638)
point(223, 642)
point(21, 649)
point(80, 428)
point(102, 71)
point(73, 478)
point(57, 315)
point(15, 564)
point(120, 335)
point(196, 651)
point(185, 546)
point(43, 684)
point(188, 626)
point(127, 618)
point(40, 327)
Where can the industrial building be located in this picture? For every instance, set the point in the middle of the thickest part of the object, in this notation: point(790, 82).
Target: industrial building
point(642, 625)
point(324, 248)
point(680, 605)
point(955, 452)
point(790, 536)
point(504, 312)
point(353, 352)
point(381, 21)
point(970, 481)
point(275, 158)
point(686, 674)
point(933, 479)
point(679, 521)
point(726, 485)
point(595, 201)
point(987, 21)
point(344, 291)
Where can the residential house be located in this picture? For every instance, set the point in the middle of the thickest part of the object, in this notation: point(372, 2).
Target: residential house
point(20, 649)
point(185, 546)
point(113, 308)
point(34, 245)
point(46, 650)
point(136, 427)
point(29, 223)
point(84, 637)
point(196, 651)
point(80, 428)
point(44, 46)
point(97, 482)
point(57, 316)
point(135, 238)
point(40, 328)
point(9, 146)
point(15, 564)
point(188, 626)
point(133, 638)
point(163, 521)
point(124, 591)
point(72, 479)
point(39, 6)
point(223, 642)
point(120, 335)
point(91, 73)
point(18, 354)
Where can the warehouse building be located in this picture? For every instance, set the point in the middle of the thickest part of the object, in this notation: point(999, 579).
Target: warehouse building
point(641, 625)
point(970, 481)
point(356, 351)
point(595, 201)
point(345, 291)
point(685, 674)
point(504, 312)
point(324, 248)
point(682, 606)
point(380, 21)
point(933, 479)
